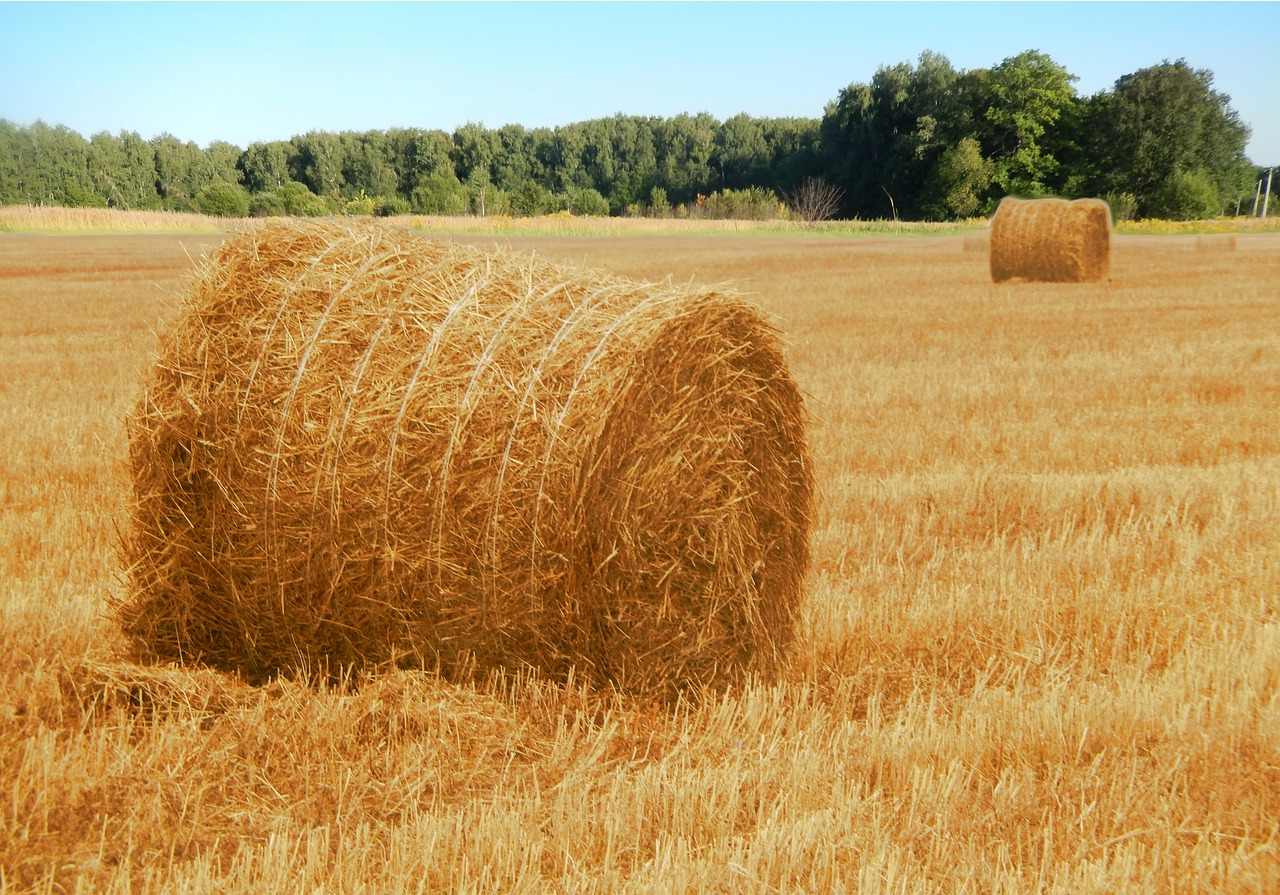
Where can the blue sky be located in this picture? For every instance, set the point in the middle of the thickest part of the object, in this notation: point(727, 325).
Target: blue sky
point(244, 72)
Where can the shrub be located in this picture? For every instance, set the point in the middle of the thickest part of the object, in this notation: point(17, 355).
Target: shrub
point(1187, 196)
point(752, 204)
point(1124, 206)
point(79, 197)
point(587, 201)
point(390, 206)
point(300, 201)
point(224, 200)
point(439, 193)
point(266, 205)
point(531, 199)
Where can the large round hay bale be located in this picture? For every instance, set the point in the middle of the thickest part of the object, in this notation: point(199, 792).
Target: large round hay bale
point(1051, 240)
point(360, 447)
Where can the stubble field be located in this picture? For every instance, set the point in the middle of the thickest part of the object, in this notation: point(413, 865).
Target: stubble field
point(1040, 650)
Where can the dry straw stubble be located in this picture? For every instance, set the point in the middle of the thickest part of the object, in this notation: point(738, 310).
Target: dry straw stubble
point(1050, 240)
point(360, 446)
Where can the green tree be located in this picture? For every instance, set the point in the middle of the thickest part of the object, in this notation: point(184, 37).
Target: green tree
point(1021, 102)
point(956, 184)
point(222, 199)
point(295, 199)
point(317, 162)
point(1187, 196)
point(1163, 120)
point(44, 165)
point(880, 141)
point(265, 166)
point(586, 201)
point(530, 199)
point(439, 193)
point(742, 154)
point(123, 170)
point(366, 166)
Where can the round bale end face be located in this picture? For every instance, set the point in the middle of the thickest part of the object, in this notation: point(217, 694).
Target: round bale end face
point(359, 447)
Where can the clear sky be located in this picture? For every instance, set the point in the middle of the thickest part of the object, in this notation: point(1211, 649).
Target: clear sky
point(244, 72)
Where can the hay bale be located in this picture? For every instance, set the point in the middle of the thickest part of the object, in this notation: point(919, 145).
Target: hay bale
point(1216, 242)
point(360, 447)
point(1051, 240)
point(976, 241)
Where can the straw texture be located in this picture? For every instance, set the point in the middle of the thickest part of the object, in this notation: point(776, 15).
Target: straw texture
point(1050, 240)
point(361, 447)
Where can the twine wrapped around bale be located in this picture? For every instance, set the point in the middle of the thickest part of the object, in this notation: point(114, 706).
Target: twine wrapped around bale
point(361, 447)
point(1051, 240)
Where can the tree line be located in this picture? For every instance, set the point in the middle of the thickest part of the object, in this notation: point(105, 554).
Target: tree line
point(920, 141)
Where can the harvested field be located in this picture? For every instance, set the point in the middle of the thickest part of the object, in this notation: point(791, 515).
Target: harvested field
point(1038, 648)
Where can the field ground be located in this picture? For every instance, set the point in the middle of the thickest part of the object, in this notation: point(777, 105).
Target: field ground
point(1040, 651)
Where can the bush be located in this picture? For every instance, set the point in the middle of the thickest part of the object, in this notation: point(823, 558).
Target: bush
point(361, 205)
point(659, 204)
point(752, 204)
point(224, 200)
point(266, 205)
point(390, 206)
point(1187, 196)
point(531, 199)
point(299, 201)
point(439, 193)
point(586, 201)
point(1124, 206)
point(79, 197)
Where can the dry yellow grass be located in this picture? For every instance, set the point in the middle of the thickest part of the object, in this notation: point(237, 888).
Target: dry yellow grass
point(1040, 652)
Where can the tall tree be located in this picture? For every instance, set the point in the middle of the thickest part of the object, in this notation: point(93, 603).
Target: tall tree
point(317, 162)
point(881, 140)
point(1021, 101)
point(265, 166)
point(1164, 121)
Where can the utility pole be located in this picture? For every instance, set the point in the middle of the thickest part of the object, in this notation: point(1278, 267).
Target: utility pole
point(1267, 197)
point(1257, 194)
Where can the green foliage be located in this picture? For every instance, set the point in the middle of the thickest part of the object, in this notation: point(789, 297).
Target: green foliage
point(265, 166)
point(1021, 101)
point(1163, 120)
point(1124, 206)
point(439, 193)
point(920, 140)
point(268, 204)
point(659, 205)
point(1187, 196)
point(79, 197)
point(224, 200)
point(958, 182)
point(530, 199)
point(296, 200)
point(390, 206)
point(751, 204)
point(586, 201)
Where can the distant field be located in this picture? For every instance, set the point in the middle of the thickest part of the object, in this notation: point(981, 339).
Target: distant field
point(26, 219)
point(1040, 651)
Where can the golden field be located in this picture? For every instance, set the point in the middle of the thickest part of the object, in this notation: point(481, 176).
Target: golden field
point(1040, 651)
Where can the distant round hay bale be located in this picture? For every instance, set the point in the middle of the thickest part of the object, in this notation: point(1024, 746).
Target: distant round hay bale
point(976, 241)
point(361, 447)
point(1051, 240)
point(1216, 242)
